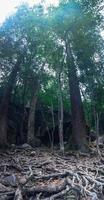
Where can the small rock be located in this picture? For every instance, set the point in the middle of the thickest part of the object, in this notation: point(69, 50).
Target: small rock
point(13, 145)
point(22, 180)
point(26, 146)
point(10, 180)
point(101, 140)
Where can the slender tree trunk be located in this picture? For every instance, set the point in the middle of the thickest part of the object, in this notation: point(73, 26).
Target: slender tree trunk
point(60, 116)
point(97, 118)
point(31, 121)
point(78, 118)
point(22, 136)
point(47, 128)
point(53, 129)
point(5, 103)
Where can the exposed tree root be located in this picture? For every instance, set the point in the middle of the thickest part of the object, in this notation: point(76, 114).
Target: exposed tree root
point(79, 176)
point(18, 194)
point(46, 189)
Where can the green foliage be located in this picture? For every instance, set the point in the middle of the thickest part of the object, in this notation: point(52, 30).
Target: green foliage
point(41, 38)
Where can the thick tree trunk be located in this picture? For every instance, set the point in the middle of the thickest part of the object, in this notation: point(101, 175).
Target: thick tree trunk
point(31, 121)
point(78, 119)
point(5, 103)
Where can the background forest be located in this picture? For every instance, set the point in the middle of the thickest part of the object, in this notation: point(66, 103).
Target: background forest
point(52, 75)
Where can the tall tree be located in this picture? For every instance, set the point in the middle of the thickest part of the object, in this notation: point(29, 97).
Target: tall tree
point(77, 112)
point(6, 100)
point(32, 109)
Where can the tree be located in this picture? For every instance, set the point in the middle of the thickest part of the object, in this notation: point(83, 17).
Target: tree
point(60, 113)
point(66, 41)
point(23, 49)
point(78, 119)
point(31, 119)
point(73, 21)
point(6, 100)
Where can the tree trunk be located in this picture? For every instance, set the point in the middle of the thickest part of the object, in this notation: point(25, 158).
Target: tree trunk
point(53, 128)
point(22, 135)
point(31, 121)
point(97, 119)
point(78, 118)
point(5, 103)
point(60, 116)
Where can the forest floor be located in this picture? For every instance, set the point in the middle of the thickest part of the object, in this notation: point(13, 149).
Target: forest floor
point(37, 174)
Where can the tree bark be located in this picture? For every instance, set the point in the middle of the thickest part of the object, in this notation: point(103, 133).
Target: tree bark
point(31, 121)
point(60, 115)
point(5, 103)
point(53, 128)
point(78, 118)
point(97, 119)
point(22, 134)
